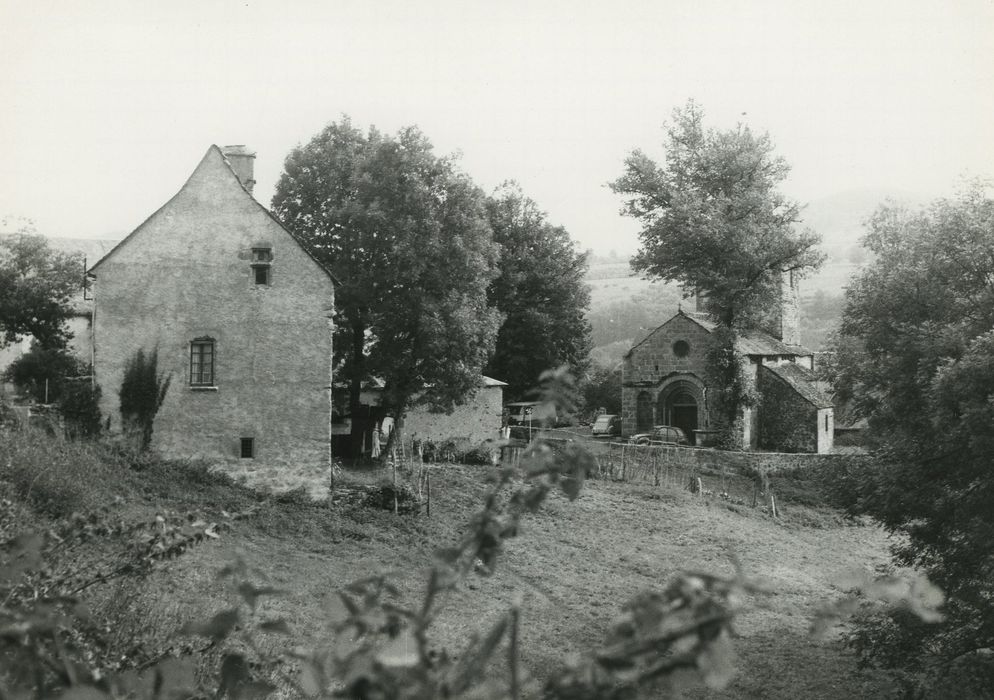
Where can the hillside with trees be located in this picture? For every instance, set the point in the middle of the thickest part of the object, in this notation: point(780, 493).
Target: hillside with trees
point(915, 358)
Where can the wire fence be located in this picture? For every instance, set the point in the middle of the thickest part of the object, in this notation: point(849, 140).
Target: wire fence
point(749, 479)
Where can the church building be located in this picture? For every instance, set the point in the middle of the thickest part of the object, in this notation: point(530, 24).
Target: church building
point(663, 382)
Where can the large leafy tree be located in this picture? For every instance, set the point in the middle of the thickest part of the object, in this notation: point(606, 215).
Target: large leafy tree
point(407, 236)
point(918, 363)
point(714, 221)
point(36, 287)
point(540, 291)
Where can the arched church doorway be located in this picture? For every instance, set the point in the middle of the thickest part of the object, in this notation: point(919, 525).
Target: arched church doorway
point(643, 412)
point(678, 407)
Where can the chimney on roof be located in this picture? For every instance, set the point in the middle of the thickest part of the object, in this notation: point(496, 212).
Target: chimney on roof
point(242, 161)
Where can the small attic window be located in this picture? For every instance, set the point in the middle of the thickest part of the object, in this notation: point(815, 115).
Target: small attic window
point(262, 258)
point(681, 348)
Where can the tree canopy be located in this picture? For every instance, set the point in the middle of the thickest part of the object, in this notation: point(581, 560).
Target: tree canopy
point(36, 287)
point(541, 292)
point(407, 236)
point(917, 360)
point(713, 219)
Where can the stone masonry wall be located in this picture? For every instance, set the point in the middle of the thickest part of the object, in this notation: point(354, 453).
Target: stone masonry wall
point(746, 462)
point(478, 420)
point(652, 360)
point(787, 422)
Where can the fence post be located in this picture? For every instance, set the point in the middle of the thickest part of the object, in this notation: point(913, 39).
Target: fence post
point(428, 488)
point(393, 463)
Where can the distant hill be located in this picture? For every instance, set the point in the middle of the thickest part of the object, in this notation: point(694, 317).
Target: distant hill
point(624, 307)
point(92, 249)
point(839, 218)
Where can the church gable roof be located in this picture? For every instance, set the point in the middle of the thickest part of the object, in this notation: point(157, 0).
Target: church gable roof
point(672, 320)
point(749, 342)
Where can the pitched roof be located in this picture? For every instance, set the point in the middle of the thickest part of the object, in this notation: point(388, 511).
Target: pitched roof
point(215, 151)
point(751, 341)
point(803, 382)
point(757, 342)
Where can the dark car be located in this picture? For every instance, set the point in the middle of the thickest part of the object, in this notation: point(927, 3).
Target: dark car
point(660, 435)
point(606, 424)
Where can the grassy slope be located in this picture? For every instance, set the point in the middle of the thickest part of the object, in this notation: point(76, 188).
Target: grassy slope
point(575, 564)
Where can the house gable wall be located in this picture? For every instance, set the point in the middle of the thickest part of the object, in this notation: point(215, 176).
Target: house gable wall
point(186, 273)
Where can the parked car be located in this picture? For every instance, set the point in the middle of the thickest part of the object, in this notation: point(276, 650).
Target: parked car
point(660, 435)
point(606, 424)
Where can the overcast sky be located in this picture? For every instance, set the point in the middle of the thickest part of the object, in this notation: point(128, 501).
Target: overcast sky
point(107, 107)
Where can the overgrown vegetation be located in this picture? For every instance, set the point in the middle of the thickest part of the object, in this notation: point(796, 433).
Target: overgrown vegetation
point(143, 389)
point(80, 409)
point(44, 373)
point(915, 356)
point(56, 376)
point(36, 286)
point(732, 392)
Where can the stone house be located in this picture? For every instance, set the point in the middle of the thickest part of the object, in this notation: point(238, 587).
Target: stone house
point(239, 314)
point(664, 382)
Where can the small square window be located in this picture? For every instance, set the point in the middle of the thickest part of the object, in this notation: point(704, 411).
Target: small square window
point(248, 448)
point(262, 255)
point(261, 274)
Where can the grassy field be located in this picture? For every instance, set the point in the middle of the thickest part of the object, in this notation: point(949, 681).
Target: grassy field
point(574, 565)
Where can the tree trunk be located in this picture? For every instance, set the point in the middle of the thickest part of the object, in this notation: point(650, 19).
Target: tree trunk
point(358, 429)
point(396, 437)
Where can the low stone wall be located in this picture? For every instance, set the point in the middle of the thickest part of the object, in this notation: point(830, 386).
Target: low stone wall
point(743, 462)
